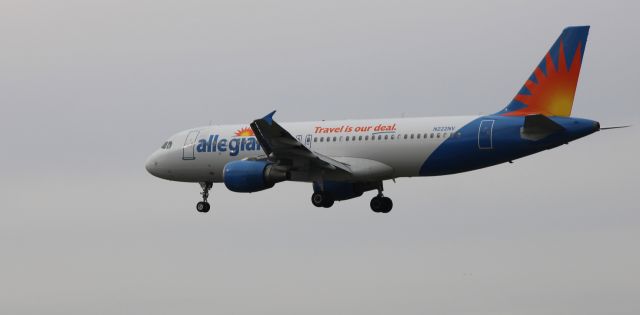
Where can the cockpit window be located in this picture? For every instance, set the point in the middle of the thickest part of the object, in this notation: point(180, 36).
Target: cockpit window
point(166, 145)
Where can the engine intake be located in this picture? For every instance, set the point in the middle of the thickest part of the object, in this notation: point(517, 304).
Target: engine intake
point(252, 176)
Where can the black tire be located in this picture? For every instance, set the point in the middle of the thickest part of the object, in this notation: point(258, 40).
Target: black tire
point(377, 204)
point(323, 200)
point(203, 207)
point(317, 199)
point(388, 204)
point(328, 202)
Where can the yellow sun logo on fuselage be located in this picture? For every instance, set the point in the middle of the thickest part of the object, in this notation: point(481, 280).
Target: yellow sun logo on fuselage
point(244, 132)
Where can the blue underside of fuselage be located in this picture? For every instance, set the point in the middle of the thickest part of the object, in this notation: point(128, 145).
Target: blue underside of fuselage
point(494, 139)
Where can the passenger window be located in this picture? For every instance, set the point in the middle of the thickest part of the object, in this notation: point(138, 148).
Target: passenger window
point(366, 137)
point(360, 138)
point(353, 138)
point(432, 135)
point(444, 135)
point(426, 135)
point(334, 139)
point(386, 137)
point(411, 136)
point(340, 139)
point(418, 136)
point(438, 135)
point(346, 138)
point(321, 139)
point(405, 136)
point(315, 139)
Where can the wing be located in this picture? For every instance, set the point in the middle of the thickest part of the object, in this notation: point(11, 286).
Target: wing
point(281, 146)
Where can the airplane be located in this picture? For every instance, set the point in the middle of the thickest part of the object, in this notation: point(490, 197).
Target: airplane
point(345, 158)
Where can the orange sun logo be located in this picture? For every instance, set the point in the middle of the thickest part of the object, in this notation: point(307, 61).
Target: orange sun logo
point(553, 93)
point(244, 132)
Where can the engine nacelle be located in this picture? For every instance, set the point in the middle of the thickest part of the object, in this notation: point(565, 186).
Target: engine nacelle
point(252, 176)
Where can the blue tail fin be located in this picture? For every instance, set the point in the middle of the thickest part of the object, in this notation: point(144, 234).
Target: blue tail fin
point(552, 85)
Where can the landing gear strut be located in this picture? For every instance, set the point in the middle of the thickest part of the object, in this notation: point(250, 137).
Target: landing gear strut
point(380, 203)
point(203, 206)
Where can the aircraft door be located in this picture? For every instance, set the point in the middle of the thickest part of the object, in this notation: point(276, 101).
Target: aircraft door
point(485, 135)
point(188, 150)
point(307, 141)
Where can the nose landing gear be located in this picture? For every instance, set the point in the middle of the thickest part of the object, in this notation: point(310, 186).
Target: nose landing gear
point(203, 206)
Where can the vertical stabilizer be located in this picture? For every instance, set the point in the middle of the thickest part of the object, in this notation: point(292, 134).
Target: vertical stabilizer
point(552, 86)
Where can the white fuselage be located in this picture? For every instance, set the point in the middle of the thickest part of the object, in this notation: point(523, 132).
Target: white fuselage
point(346, 158)
point(387, 148)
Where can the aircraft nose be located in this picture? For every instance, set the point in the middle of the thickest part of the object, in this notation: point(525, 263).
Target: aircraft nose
point(151, 165)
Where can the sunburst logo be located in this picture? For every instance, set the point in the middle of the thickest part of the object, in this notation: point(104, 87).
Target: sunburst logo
point(244, 132)
point(551, 92)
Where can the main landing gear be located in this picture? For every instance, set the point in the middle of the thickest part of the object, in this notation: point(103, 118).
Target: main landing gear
point(203, 206)
point(322, 199)
point(380, 203)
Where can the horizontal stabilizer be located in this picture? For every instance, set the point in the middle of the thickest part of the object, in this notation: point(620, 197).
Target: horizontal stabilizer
point(537, 127)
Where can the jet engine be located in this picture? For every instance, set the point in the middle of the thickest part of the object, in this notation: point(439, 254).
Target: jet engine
point(251, 176)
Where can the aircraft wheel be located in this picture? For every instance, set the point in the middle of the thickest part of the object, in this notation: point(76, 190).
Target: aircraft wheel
point(321, 200)
point(317, 199)
point(377, 205)
point(388, 204)
point(203, 206)
point(381, 204)
point(328, 202)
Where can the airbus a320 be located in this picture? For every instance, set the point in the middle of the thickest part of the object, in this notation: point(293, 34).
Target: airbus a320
point(344, 159)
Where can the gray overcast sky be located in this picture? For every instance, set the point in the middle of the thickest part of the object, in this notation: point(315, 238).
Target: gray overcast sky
point(89, 88)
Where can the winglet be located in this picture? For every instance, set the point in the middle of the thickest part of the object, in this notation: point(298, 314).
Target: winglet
point(269, 118)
